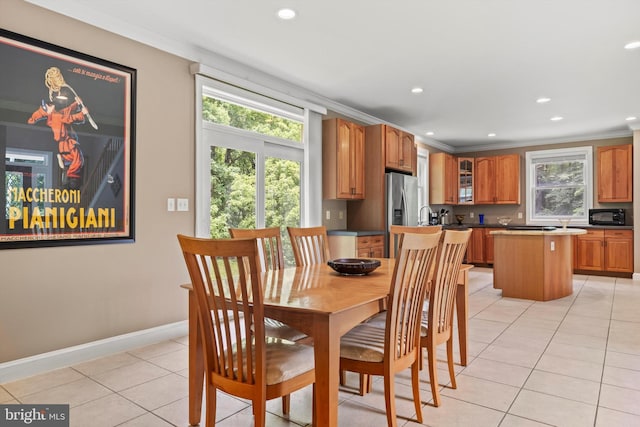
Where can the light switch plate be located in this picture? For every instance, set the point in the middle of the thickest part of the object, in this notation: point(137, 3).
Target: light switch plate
point(171, 204)
point(183, 205)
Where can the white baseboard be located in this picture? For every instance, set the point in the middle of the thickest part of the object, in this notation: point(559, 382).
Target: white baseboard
point(33, 365)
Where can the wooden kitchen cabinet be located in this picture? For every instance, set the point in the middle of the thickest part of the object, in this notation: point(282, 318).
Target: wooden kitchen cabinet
point(352, 246)
point(590, 250)
point(343, 160)
point(615, 173)
point(605, 250)
point(618, 250)
point(497, 180)
point(443, 178)
point(400, 150)
point(475, 247)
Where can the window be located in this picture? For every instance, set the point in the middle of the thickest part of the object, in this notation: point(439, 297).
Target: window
point(559, 185)
point(251, 154)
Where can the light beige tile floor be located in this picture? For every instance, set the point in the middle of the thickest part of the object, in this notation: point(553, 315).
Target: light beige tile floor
point(569, 362)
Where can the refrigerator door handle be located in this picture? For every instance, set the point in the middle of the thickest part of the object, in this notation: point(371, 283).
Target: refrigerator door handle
point(403, 202)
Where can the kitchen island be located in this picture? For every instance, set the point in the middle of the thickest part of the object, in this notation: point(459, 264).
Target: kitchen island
point(534, 264)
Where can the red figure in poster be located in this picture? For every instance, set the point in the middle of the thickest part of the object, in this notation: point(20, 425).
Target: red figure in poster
point(63, 110)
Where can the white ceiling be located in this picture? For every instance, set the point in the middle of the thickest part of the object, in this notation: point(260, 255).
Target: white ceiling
point(482, 63)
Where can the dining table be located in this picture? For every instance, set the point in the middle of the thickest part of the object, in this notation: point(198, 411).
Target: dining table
point(324, 305)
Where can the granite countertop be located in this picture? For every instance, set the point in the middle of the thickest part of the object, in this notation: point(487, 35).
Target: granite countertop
point(541, 232)
point(589, 226)
point(354, 232)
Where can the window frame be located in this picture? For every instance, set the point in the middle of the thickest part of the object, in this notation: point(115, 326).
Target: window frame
point(531, 157)
point(261, 144)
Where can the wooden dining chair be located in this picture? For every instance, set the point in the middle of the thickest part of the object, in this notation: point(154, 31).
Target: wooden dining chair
point(239, 359)
point(271, 258)
point(396, 232)
point(372, 350)
point(437, 321)
point(310, 245)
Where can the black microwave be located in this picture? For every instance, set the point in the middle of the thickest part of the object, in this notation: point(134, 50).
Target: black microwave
point(606, 216)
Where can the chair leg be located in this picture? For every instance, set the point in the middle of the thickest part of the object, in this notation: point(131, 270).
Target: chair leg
point(343, 378)
point(452, 374)
point(260, 412)
point(286, 404)
point(415, 382)
point(210, 414)
point(433, 375)
point(390, 399)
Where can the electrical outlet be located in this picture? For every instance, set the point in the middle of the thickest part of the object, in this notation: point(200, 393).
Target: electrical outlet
point(519, 215)
point(340, 214)
point(183, 205)
point(470, 214)
point(171, 204)
point(327, 215)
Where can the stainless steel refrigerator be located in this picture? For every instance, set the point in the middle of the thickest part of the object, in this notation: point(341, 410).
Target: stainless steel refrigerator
point(401, 199)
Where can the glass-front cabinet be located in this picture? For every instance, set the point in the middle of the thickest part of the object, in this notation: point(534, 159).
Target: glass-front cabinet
point(465, 180)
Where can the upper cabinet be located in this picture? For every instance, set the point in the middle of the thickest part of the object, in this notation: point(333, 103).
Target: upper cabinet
point(615, 173)
point(342, 160)
point(497, 180)
point(443, 177)
point(400, 150)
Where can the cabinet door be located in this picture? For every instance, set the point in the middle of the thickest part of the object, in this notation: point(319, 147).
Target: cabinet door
point(615, 172)
point(465, 171)
point(350, 160)
point(484, 190)
point(406, 153)
point(357, 162)
point(618, 250)
point(507, 179)
point(590, 250)
point(392, 147)
point(477, 245)
point(443, 177)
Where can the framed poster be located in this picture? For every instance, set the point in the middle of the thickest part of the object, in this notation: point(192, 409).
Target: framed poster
point(67, 123)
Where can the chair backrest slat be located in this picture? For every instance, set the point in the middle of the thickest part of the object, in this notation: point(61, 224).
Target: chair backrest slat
point(408, 288)
point(310, 245)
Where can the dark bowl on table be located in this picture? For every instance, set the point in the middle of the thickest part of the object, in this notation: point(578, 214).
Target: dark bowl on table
point(354, 266)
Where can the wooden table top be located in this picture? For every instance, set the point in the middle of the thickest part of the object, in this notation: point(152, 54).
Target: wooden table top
point(319, 288)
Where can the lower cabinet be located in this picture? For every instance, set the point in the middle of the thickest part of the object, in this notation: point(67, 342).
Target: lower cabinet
point(480, 246)
point(369, 246)
point(604, 250)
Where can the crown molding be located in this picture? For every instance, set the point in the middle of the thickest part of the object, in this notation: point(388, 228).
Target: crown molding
point(530, 143)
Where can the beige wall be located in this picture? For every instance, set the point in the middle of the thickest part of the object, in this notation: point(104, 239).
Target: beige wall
point(52, 298)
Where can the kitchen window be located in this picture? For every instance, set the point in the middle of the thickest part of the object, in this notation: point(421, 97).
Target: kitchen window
point(559, 185)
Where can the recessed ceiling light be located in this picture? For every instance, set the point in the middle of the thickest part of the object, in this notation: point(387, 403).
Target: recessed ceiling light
point(543, 100)
point(430, 133)
point(632, 45)
point(491, 135)
point(556, 118)
point(286, 13)
point(631, 118)
point(417, 90)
